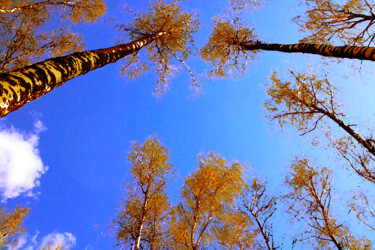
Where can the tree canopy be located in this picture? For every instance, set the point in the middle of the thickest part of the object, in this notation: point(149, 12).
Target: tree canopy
point(205, 197)
point(326, 21)
point(164, 25)
point(11, 225)
point(221, 204)
point(26, 38)
point(145, 207)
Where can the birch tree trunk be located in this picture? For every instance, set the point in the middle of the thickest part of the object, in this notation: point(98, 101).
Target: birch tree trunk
point(142, 222)
point(23, 85)
point(355, 52)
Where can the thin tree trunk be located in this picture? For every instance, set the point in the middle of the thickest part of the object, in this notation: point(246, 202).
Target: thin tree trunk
point(23, 85)
point(146, 198)
point(142, 222)
point(355, 52)
point(365, 143)
point(325, 211)
point(265, 237)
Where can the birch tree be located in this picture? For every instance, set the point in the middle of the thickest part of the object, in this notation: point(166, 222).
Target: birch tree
point(164, 29)
point(232, 42)
point(207, 195)
point(144, 210)
point(310, 202)
point(231, 46)
point(308, 103)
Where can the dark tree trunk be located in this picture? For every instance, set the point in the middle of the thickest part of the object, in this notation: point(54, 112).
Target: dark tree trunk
point(23, 85)
point(355, 52)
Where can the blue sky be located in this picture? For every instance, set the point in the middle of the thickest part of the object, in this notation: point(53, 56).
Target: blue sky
point(77, 137)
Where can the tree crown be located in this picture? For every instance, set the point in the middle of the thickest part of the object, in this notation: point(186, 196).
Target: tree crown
point(325, 20)
point(175, 29)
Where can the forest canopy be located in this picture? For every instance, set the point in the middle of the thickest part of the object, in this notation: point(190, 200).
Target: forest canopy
point(277, 153)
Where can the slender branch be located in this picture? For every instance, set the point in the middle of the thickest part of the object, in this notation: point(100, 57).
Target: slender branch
point(36, 5)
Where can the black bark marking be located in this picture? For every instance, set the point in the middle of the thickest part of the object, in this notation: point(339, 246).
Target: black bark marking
point(68, 67)
point(354, 52)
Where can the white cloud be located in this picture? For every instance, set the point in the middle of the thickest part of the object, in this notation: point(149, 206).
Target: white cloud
point(39, 127)
point(64, 240)
point(20, 162)
point(88, 247)
point(34, 238)
point(21, 242)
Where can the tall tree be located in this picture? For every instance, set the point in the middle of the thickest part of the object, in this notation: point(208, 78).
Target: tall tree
point(11, 225)
point(166, 25)
point(23, 85)
point(232, 43)
point(207, 195)
point(145, 208)
point(307, 103)
point(310, 201)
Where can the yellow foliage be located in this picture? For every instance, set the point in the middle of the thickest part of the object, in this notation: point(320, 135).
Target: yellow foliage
point(325, 20)
point(249, 226)
point(149, 161)
point(247, 5)
point(75, 10)
point(234, 231)
point(363, 209)
point(58, 247)
point(224, 48)
point(177, 28)
point(23, 39)
point(302, 103)
point(11, 225)
point(310, 201)
point(87, 10)
point(144, 210)
point(206, 197)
